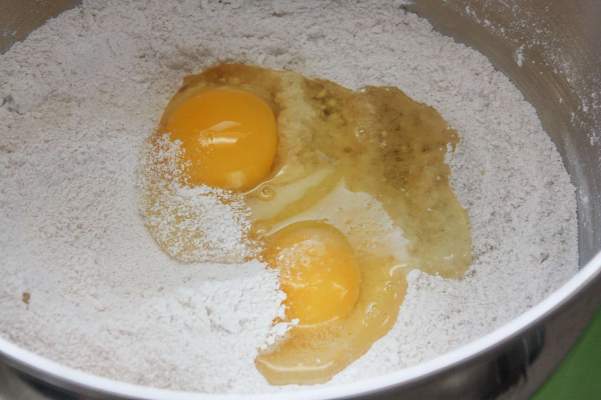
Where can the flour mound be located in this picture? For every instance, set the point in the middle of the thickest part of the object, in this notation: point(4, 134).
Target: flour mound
point(78, 100)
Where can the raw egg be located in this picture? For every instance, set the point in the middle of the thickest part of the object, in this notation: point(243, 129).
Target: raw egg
point(344, 192)
point(318, 271)
point(228, 137)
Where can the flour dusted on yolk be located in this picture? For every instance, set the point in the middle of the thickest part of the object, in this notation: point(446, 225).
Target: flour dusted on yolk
point(228, 137)
point(318, 271)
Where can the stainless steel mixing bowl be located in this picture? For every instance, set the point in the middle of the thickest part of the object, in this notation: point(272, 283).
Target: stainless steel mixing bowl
point(552, 51)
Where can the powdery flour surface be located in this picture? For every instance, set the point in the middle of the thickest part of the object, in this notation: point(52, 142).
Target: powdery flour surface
point(82, 93)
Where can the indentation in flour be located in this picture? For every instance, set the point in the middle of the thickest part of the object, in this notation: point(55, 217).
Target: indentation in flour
point(9, 103)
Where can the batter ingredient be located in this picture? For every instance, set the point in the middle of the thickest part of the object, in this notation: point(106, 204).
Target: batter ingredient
point(76, 99)
point(376, 143)
point(326, 341)
point(191, 224)
point(228, 136)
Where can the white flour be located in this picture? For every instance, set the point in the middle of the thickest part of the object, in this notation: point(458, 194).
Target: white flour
point(190, 224)
point(83, 92)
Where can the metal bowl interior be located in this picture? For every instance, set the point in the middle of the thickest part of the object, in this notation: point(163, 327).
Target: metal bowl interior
point(552, 52)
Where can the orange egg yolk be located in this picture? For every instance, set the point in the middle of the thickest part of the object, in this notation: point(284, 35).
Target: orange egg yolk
point(318, 271)
point(228, 137)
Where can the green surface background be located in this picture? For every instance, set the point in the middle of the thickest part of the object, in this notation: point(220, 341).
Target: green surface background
point(579, 376)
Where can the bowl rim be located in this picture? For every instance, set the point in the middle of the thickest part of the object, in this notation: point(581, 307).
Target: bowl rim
point(79, 381)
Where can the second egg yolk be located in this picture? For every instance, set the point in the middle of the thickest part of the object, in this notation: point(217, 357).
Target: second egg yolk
point(318, 271)
point(228, 137)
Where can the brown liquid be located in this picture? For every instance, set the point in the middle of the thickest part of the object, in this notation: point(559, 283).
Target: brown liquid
point(383, 143)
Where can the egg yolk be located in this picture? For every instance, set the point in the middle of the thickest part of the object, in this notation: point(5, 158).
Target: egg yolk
point(318, 271)
point(228, 136)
